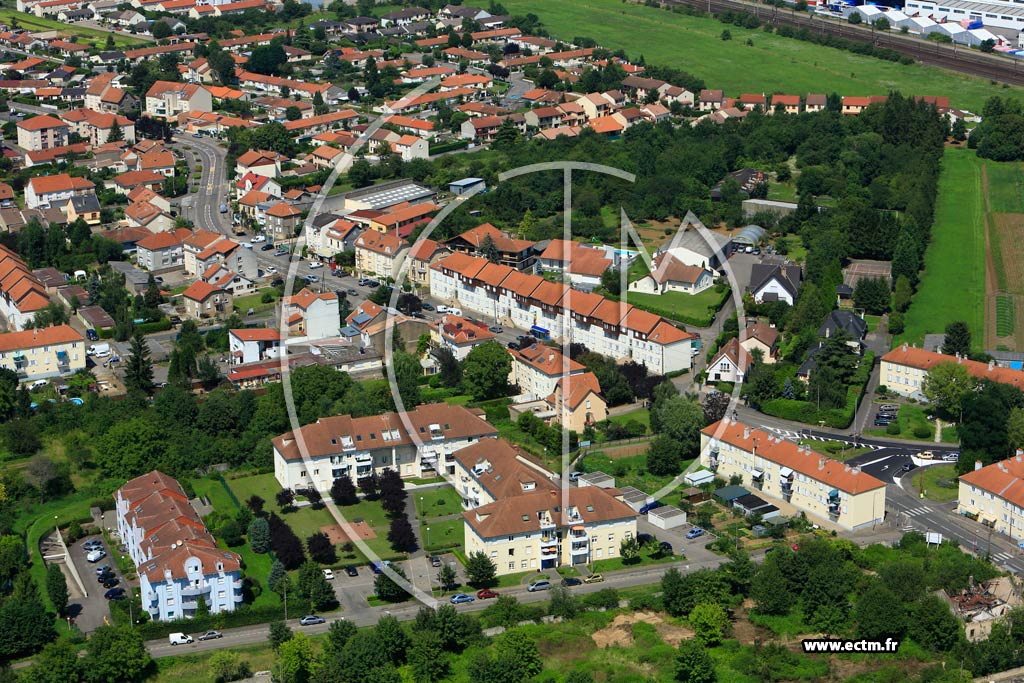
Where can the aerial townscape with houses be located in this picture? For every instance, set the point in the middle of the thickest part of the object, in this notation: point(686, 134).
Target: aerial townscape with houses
point(588, 341)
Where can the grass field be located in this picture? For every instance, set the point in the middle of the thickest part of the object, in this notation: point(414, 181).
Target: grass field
point(909, 418)
point(642, 415)
point(83, 34)
point(439, 502)
point(956, 254)
point(679, 305)
point(1005, 188)
point(628, 471)
point(771, 64)
point(939, 483)
point(443, 535)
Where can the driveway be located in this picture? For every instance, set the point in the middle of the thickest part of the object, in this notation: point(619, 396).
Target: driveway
point(90, 611)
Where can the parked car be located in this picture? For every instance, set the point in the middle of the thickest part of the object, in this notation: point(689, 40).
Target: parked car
point(104, 569)
point(329, 574)
point(539, 585)
point(311, 279)
point(435, 561)
point(426, 306)
point(211, 635)
point(882, 422)
point(352, 292)
point(114, 594)
point(93, 544)
point(571, 581)
point(337, 273)
point(889, 407)
point(951, 457)
point(91, 335)
point(574, 476)
point(103, 578)
point(313, 265)
point(281, 252)
point(258, 239)
point(96, 555)
point(594, 578)
point(695, 532)
point(111, 582)
point(653, 505)
point(644, 539)
point(487, 594)
point(351, 570)
point(179, 639)
point(926, 455)
point(266, 247)
point(460, 598)
point(311, 619)
point(496, 329)
point(270, 270)
point(378, 567)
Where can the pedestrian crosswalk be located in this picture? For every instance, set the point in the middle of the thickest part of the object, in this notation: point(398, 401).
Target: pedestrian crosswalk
point(795, 435)
point(916, 511)
point(1003, 557)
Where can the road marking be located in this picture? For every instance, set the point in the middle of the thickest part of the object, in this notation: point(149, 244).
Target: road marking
point(917, 511)
point(1003, 557)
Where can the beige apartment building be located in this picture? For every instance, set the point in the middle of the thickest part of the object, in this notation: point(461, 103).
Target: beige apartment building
point(37, 354)
point(905, 368)
point(811, 482)
point(994, 496)
point(379, 254)
point(539, 530)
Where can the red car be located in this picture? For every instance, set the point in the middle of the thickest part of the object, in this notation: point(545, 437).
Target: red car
point(487, 593)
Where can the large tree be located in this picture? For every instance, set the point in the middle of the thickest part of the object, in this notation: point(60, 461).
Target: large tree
point(946, 386)
point(879, 613)
point(138, 371)
point(957, 339)
point(57, 588)
point(343, 492)
point(693, 664)
point(401, 535)
point(485, 371)
point(480, 569)
point(115, 653)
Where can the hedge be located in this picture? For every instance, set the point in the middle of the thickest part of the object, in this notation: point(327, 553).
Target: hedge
point(161, 325)
point(808, 413)
point(448, 147)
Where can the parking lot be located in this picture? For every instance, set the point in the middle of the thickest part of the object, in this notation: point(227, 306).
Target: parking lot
point(92, 608)
point(690, 548)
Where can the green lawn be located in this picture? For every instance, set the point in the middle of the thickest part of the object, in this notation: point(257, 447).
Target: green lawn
point(770, 64)
point(939, 483)
point(908, 418)
point(630, 471)
point(254, 301)
point(1005, 188)
point(304, 521)
point(85, 35)
point(643, 416)
point(679, 305)
point(439, 502)
point(443, 535)
point(782, 192)
point(956, 254)
point(650, 554)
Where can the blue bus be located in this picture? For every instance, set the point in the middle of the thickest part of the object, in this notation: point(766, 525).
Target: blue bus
point(540, 333)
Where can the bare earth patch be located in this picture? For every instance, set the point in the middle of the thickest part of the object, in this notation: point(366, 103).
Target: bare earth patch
point(337, 535)
point(620, 631)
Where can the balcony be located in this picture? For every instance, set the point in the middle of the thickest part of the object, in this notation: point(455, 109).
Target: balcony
point(757, 480)
point(546, 522)
point(580, 547)
point(549, 541)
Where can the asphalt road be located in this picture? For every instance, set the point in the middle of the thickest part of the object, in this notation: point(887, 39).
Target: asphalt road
point(367, 616)
point(203, 207)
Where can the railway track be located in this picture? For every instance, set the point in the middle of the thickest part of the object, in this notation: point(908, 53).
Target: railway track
point(952, 58)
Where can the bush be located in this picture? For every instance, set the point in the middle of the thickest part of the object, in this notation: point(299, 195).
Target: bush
point(606, 598)
point(808, 413)
point(893, 428)
point(920, 431)
point(642, 603)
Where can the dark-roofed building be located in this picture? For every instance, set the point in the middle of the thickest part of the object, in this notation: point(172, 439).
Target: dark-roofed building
point(775, 281)
point(846, 323)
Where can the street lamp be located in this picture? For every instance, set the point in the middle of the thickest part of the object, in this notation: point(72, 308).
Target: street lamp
point(421, 506)
point(428, 536)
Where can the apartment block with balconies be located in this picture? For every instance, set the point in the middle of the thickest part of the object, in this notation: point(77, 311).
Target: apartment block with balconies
point(178, 560)
point(818, 485)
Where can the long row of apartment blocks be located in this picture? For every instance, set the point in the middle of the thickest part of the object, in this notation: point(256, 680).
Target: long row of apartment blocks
point(525, 301)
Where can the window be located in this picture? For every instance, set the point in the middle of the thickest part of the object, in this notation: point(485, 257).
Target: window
point(511, 566)
point(524, 564)
point(511, 552)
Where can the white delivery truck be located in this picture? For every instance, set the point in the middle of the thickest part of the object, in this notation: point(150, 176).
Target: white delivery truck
point(99, 350)
point(179, 639)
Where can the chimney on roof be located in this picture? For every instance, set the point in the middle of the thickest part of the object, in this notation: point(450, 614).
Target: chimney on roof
point(821, 463)
point(991, 364)
point(1019, 454)
point(904, 346)
point(746, 432)
point(855, 470)
point(977, 465)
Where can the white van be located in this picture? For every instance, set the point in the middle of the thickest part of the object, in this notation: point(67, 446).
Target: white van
point(179, 639)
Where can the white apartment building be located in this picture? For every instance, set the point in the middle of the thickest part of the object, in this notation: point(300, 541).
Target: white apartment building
point(178, 560)
point(312, 315)
point(167, 99)
point(538, 368)
point(531, 303)
point(820, 486)
point(42, 132)
point(905, 368)
point(345, 446)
